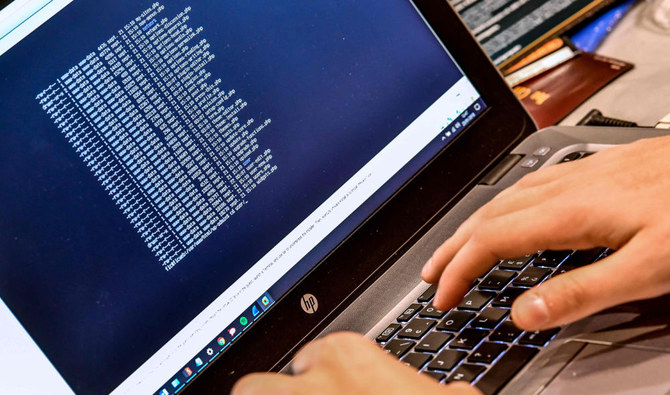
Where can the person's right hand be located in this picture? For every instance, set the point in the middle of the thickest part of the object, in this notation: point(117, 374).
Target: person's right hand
point(617, 198)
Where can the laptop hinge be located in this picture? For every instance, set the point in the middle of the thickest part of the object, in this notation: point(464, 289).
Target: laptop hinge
point(500, 170)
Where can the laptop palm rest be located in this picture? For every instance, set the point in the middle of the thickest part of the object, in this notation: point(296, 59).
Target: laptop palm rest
point(620, 348)
point(598, 369)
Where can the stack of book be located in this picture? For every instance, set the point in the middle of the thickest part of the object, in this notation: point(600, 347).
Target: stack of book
point(561, 74)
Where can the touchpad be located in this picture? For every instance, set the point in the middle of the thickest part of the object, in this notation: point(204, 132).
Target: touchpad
point(605, 369)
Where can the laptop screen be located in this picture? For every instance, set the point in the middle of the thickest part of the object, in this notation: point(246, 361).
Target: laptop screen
point(170, 169)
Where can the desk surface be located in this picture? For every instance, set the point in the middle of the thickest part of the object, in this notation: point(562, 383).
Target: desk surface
point(643, 94)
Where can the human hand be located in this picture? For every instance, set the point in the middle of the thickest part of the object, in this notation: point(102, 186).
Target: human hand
point(617, 198)
point(346, 363)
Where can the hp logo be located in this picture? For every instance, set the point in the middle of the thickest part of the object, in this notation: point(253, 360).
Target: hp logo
point(309, 303)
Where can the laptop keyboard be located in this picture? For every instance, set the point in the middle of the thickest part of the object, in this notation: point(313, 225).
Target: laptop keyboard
point(477, 341)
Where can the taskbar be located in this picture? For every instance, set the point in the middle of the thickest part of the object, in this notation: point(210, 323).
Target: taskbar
point(453, 126)
point(210, 352)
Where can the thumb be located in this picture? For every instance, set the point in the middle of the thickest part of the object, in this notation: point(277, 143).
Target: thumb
point(579, 293)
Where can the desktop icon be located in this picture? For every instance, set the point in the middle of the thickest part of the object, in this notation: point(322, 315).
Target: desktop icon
point(244, 321)
point(188, 372)
point(164, 392)
point(232, 331)
point(221, 341)
point(265, 301)
point(175, 383)
point(210, 352)
point(254, 311)
point(198, 362)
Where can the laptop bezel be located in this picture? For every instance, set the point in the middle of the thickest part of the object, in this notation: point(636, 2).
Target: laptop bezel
point(375, 245)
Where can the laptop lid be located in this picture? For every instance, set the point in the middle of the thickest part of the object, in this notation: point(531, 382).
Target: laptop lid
point(176, 177)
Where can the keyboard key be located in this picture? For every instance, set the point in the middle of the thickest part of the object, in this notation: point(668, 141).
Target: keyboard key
point(496, 280)
point(468, 339)
point(433, 342)
point(505, 368)
point(551, 258)
point(538, 338)
point(431, 312)
point(475, 300)
point(416, 360)
point(515, 263)
point(434, 375)
point(466, 372)
point(388, 333)
point(416, 328)
point(564, 268)
point(607, 252)
point(487, 352)
point(489, 318)
point(455, 321)
point(427, 294)
point(531, 276)
point(446, 360)
point(507, 297)
point(507, 332)
point(584, 257)
point(409, 312)
point(397, 347)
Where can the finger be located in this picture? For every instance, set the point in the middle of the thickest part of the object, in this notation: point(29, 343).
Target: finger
point(587, 290)
point(265, 383)
point(433, 268)
point(514, 234)
point(328, 351)
point(308, 356)
point(546, 175)
point(518, 200)
point(455, 281)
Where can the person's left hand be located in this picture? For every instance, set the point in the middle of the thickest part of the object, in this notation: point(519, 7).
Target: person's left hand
point(346, 363)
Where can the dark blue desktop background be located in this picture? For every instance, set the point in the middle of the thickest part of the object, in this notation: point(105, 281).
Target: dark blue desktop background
point(340, 79)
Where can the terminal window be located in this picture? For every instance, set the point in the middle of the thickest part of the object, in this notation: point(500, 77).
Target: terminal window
point(176, 150)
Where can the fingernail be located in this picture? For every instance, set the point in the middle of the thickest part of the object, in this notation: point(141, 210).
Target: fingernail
point(531, 311)
point(426, 267)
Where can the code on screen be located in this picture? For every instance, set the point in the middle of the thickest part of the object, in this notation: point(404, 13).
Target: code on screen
point(170, 146)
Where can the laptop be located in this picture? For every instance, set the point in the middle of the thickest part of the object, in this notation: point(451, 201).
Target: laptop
point(193, 191)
